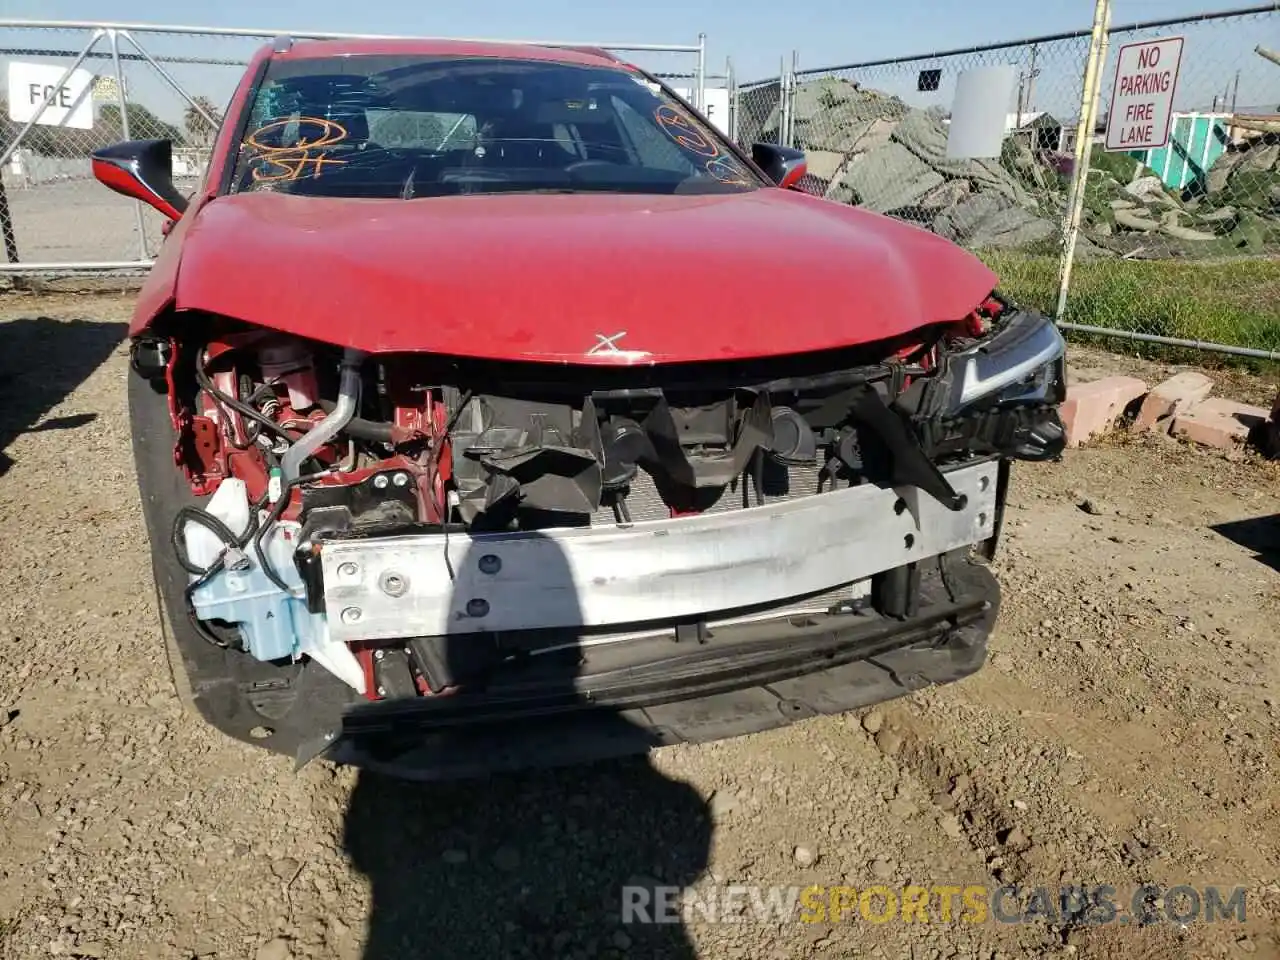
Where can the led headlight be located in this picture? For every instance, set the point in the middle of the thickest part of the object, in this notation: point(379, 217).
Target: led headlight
point(1025, 361)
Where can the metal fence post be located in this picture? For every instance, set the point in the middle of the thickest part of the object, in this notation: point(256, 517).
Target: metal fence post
point(731, 80)
point(1091, 86)
point(701, 70)
point(6, 226)
point(782, 102)
point(792, 85)
point(113, 36)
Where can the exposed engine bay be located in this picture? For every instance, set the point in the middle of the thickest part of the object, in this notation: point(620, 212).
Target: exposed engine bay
point(301, 446)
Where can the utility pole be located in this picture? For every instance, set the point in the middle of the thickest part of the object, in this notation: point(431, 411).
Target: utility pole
point(1031, 80)
point(1027, 87)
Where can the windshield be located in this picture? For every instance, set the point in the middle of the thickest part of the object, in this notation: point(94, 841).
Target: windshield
point(420, 126)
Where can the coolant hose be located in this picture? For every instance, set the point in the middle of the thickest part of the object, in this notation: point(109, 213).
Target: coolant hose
point(326, 429)
point(363, 429)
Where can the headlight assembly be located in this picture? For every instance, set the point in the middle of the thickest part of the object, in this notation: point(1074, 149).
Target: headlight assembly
point(1024, 362)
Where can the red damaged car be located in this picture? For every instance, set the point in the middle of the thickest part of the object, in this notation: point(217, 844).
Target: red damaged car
point(491, 409)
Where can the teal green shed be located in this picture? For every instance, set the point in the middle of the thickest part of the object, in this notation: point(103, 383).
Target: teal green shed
point(1196, 141)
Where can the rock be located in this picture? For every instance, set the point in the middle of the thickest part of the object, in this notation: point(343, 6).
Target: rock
point(723, 803)
point(824, 164)
point(946, 195)
point(1260, 157)
point(1145, 187)
point(804, 855)
point(285, 868)
point(1015, 838)
point(507, 859)
point(1169, 398)
point(989, 220)
point(889, 742)
point(950, 825)
point(873, 721)
point(1094, 407)
point(622, 941)
point(1221, 423)
point(1186, 233)
point(881, 869)
point(93, 949)
point(277, 949)
point(925, 135)
point(890, 178)
point(1134, 222)
point(1221, 215)
point(1220, 172)
point(901, 807)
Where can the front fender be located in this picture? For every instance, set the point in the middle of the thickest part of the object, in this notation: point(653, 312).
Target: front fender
point(159, 290)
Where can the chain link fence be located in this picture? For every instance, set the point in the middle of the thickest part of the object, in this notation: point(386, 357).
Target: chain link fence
point(139, 81)
point(1178, 245)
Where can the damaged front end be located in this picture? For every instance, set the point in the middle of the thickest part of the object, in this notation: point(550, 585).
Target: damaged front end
point(471, 544)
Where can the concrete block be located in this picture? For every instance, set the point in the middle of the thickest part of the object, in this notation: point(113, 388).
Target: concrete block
point(1218, 422)
point(1094, 407)
point(1168, 399)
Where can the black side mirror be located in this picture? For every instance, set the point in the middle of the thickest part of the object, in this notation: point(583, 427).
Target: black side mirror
point(142, 169)
point(785, 166)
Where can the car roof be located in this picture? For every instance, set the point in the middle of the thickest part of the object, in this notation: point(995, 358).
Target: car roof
point(426, 46)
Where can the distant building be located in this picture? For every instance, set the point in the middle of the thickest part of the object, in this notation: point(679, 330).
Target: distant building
point(190, 161)
point(1043, 129)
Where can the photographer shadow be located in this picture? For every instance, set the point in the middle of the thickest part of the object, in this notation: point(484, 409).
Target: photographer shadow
point(43, 360)
point(548, 838)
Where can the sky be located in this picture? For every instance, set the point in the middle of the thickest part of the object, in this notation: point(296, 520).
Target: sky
point(757, 34)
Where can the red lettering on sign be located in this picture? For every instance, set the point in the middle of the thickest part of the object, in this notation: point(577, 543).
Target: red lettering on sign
point(1136, 134)
point(1145, 84)
point(1148, 57)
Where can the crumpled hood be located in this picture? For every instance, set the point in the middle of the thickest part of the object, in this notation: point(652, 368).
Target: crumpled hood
point(574, 278)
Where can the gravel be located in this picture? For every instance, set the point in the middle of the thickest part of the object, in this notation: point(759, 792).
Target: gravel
point(1124, 732)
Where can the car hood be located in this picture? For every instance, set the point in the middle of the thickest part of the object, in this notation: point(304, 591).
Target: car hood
point(574, 278)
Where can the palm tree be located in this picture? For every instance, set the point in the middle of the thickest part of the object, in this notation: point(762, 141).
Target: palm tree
point(200, 132)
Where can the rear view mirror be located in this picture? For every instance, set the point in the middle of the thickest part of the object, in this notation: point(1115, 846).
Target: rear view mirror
point(785, 166)
point(142, 169)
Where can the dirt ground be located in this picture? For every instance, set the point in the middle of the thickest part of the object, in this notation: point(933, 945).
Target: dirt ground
point(1124, 732)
